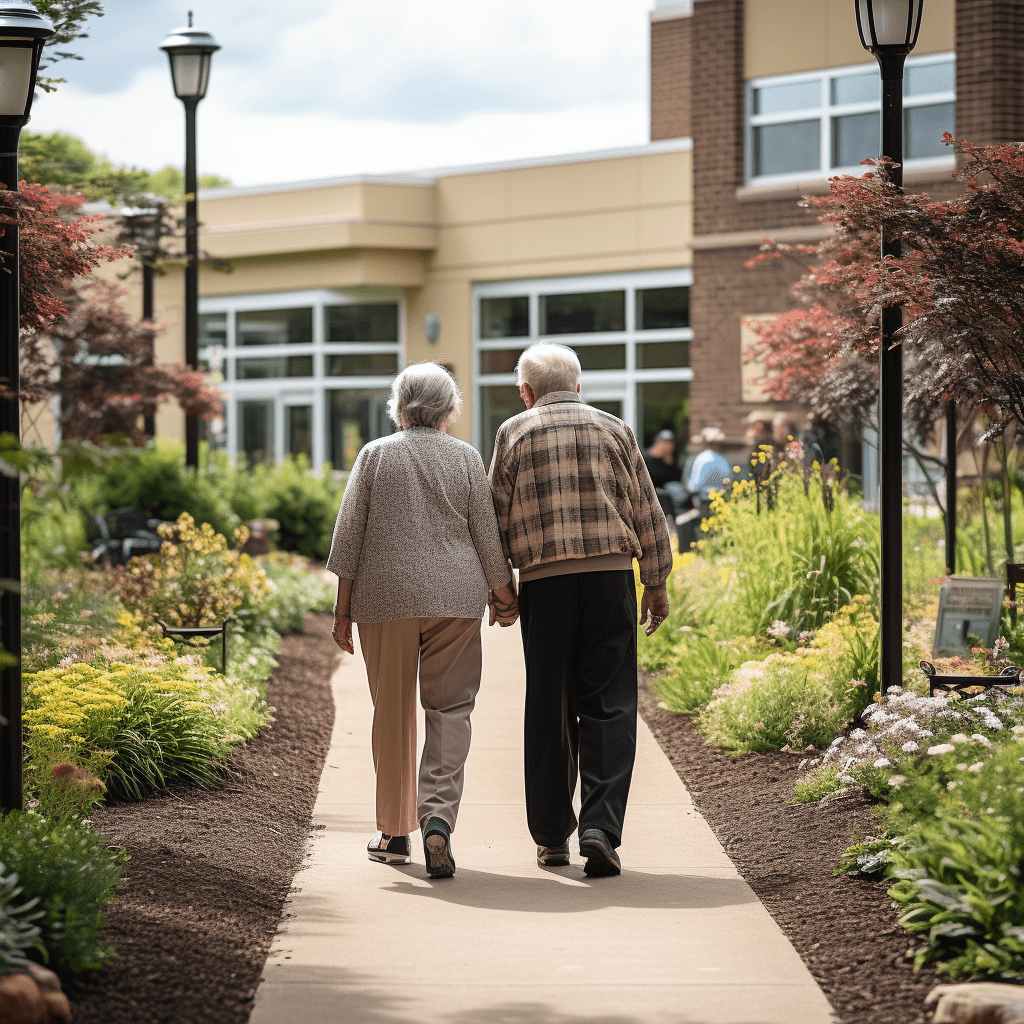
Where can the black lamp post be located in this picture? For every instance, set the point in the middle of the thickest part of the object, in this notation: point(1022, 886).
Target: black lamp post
point(191, 51)
point(23, 31)
point(889, 29)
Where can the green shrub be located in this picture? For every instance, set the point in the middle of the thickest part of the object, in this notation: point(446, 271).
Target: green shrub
point(797, 551)
point(783, 701)
point(699, 666)
point(818, 783)
point(295, 591)
point(19, 932)
point(72, 872)
point(304, 504)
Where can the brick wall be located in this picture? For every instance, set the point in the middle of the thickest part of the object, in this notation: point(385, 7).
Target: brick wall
point(990, 70)
point(670, 78)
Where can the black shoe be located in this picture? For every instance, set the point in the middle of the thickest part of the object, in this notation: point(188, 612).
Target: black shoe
point(553, 856)
point(601, 856)
point(437, 850)
point(387, 849)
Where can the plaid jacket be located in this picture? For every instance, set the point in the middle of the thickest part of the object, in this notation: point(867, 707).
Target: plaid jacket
point(569, 481)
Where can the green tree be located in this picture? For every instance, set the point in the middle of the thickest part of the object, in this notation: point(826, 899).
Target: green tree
point(69, 18)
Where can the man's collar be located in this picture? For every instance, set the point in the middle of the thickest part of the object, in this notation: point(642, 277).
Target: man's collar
point(557, 396)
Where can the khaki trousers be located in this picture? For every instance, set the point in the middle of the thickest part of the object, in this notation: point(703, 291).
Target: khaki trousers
point(446, 653)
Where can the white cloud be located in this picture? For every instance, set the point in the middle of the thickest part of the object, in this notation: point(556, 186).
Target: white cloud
point(344, 87)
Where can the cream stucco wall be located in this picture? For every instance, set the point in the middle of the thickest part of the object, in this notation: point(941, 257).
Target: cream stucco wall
point(435, 238)
point(786, 36)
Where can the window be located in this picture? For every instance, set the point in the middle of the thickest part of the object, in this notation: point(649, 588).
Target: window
point(371, 321)
point(631, 332)
point(583, 313)
point(274, 327)
point(279, 366)
point(505, 316)
point(801, 126)
point(308, 372)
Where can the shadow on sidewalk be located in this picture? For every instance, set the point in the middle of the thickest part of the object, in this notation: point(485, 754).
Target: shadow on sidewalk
point(336, 995)
point(569, 892)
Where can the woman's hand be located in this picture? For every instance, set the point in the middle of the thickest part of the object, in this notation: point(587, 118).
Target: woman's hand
point(504, 605)
point(342, 632)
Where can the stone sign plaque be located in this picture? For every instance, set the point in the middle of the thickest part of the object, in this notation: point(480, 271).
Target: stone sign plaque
point(967, 605)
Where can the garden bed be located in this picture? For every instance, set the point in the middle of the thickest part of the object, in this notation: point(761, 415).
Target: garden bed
point(200, 901)
point(843, 927)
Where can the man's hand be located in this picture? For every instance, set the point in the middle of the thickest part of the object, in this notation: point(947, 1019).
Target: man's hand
point(653, 607)
point(342, 631)
point(504, 604)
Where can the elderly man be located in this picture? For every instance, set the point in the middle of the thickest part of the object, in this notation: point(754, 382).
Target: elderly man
point(575, 506)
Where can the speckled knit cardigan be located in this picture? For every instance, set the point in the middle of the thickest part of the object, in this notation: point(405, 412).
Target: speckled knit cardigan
point(416, 531)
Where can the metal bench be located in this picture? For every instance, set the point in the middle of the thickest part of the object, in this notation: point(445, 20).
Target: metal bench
point(124, 533)
point(1009, 677)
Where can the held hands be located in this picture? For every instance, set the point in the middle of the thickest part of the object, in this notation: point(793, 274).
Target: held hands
point(504, 605)
point(342, 631)
point(653, 608)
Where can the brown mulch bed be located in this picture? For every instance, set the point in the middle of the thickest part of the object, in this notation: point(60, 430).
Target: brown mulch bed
point(202, 896)
point(844, 928)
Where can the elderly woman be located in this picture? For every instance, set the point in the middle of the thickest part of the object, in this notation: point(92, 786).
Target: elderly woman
point(417, 555)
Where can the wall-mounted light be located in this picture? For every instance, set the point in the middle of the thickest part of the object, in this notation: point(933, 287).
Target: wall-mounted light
point(432, 327)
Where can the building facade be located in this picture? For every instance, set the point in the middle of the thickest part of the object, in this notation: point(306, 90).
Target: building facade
point(636, 257)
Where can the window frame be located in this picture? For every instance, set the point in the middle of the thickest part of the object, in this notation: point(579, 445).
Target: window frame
point(284, 391)
point(825, 112)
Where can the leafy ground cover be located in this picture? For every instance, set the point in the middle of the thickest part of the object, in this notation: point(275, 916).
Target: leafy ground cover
point(772, 645)
point(115, 711)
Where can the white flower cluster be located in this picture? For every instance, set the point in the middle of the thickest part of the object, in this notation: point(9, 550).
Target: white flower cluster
point(904, 722)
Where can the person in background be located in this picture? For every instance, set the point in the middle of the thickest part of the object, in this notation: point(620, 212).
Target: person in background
point(667, 477)
point(575, 506)
point(660, 459)
point(417, 556)
point(710, 470)
point(758, 433)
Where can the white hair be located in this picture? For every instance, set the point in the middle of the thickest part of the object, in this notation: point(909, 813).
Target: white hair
point(424, 395)
point(548, 367)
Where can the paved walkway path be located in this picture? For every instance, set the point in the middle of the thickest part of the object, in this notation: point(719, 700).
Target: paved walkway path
point(678, 938)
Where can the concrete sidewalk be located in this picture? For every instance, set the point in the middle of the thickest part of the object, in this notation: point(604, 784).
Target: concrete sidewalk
point(678, 937)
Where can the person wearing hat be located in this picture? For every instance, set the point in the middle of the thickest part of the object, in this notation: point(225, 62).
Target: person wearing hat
point(710, 470)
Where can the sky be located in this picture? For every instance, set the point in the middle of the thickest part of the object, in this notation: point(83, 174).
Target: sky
point(308, 89)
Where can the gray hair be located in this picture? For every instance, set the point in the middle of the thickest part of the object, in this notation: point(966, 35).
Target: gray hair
point(548, 367)
point(424, 395)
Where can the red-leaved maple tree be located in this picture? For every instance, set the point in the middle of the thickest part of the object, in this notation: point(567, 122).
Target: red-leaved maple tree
point(78, 343)
point(960, 282)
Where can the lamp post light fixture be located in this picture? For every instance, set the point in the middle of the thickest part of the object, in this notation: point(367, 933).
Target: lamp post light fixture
point(190, 51)
point(23, 33)
point(889, 30)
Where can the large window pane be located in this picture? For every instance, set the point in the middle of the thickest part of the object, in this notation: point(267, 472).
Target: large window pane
point(497, 404)
point(583, 312)
point(601, 357)
point(354, 418)
point(275, 327)
point(863, 87)
point(923, 128)
point(213, 330)
point(505, 317)
point(663, 405)
point(298, 426)
point(662, 308)
point(363, 321)
point(363, 364)
point(256, 431)
point(663, 355)
point(276, 366)
point(929, 78)
point(853, 138)
point(611, 405)
point(501, 360)
point(774, 99)
point(785, 148)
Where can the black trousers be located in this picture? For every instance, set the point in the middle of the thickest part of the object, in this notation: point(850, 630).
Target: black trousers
point(579, 639)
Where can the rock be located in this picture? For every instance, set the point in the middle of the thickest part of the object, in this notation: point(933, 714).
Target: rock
point(43, 977)
point(260, 531)
point(21, 1002)
point(983, 1002)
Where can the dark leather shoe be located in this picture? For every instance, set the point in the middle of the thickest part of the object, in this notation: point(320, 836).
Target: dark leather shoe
point(602, 860)
point(387, 849)
point(553, 856)
point(437, 849)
